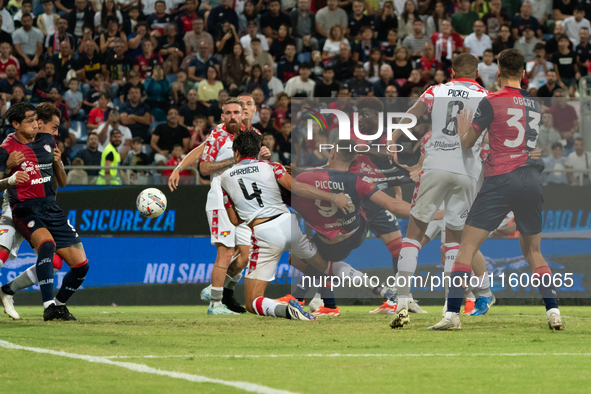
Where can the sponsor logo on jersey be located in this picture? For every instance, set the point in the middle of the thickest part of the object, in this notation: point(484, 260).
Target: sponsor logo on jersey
point(464, 214)
point(3, 231)
point(225, 233)
point(41, 180)
point(48, 148)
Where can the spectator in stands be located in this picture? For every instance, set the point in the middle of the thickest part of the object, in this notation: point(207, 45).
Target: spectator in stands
point(565, 64)
point(74, 99)
point(136, 158)
point(288, 65)
point(413, 81)
point(235, 68)
point(563, 9)
point(583, 51)
point(101, 19)
point(192, 109)
point(445, 42)
point(199, 65)
point(6, 59)
point(159, 19)
point(134, 81)
point(415, 42)
point(131, 18)
point(329, 16)
point(47, 21)
point(184, 19)
point(17, 96)
point(7, 24)
point(100, 113)
point(273, 19)
point(226, 39)
point(116, 67)
point(43, 83)
point(303, 24)
point(565, 119)
point(91, 155)
point(301, 85)
point(194, 38)
point(552, 44)
point(503, 41)
point(336, 37)
point(26, 9)
point(28, 45)
point(79, 18)
point(157, 88)
point(53, 42)
point(343, 64)
point(77, 176)
point(270, 143)
point(274, 85)
point(573, 24)
point(428, 62)
point(548, 136)
point(556, 162)
point(536, 69)
point(433, 22)
point(386, 79)
point(326, 87)
point(88, 65)
point(284, 142)
point(551, 85)
point(112, 33)
point(525, 19)
point(96, 86)
point(167, 135)
point(407, 18)
point(402, 65)
point(144, 64)
point(358, 85)
point(172, 49)
point(494, 19)
point(214, 112)
point(372, 66)
point(104, 133)
point(477, 42)
point(175, 160)
point(111, 161)
point(357, 19)
point(199, 132)
point(136, 115)
point(463, 21)
point(220, 15)
point(386, 22)
point(257, 56)
point(317, 157)
point(256, 81)
point(250, 13)
point(277, 48)
point(527, 43)
point(7, 84)
point(135, 40)
point(252, 33)
point(579, 161)
point(265, 126)
point(209, 89)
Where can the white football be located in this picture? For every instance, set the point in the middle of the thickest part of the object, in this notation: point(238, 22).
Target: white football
point(151, 203)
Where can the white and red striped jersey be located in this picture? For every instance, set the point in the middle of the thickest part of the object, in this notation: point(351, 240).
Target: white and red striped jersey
point(251, 186)
point(11, 60)
point(444, 102)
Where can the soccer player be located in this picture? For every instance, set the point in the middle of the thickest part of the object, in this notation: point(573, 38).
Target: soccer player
point(274, 228)
point(10, 239)
point(37, 215)
point(449, 173)
point(513, 182)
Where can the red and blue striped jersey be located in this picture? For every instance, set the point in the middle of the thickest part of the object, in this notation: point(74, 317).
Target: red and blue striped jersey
point(512, 118)
point(38, 164)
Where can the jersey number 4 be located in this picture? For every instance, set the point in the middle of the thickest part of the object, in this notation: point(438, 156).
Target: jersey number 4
point(256, 192)
point(515, 121)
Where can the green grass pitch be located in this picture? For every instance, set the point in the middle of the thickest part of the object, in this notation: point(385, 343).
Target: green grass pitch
point(509, 350)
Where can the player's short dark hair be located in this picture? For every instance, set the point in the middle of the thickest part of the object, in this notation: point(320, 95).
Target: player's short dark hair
point(247, 144)
point(465, 65)
point(46, 111)
point(557, 145)
point(511, 63)
point(371, 103)
point(17, 112)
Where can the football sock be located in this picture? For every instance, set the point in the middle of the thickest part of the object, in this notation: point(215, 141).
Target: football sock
point(313, 276)
point(407, 265)
point(328, 297)
point(451, 252)
point(459, 274)
point(546, 287)
point(217, 293)
point(264, 306)
point(233, 281)
point(394, 247)
point(44, 270)
point(483, 288)
point(72, 281)
point(29, 277)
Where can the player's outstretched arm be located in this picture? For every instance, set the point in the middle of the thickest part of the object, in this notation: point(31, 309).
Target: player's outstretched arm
point(191, 158)
point(397, 207)
point(304, 190)
point(17, 177)
point(468, 134)
point(58, 168)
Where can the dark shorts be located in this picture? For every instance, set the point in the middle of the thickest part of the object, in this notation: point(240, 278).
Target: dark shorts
point(379, 221)
point(519, 191)
point(340, 250)
point(31, 216)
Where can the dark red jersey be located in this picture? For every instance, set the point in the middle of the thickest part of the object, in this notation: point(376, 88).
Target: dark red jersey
point(512, 118)
point(38, 164)
point(377, 168)
point(323, 216)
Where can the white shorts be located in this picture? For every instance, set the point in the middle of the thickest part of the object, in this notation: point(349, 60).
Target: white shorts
point(456, 191)
point(223, 231)
point(270, 240)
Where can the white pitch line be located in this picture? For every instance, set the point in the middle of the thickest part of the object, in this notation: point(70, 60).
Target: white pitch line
point(246, 386)
point(354, 355)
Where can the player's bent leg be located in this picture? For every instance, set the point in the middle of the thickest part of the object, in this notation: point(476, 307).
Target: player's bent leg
point(75, 257)
point(530, 247)
point(233, 276)
point(218, 276)
point(484, 297)
point(407, 262)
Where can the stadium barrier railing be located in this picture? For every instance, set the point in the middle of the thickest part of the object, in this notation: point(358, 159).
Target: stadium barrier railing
point(152, 174)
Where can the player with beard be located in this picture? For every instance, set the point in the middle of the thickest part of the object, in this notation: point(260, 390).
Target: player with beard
point(35, 212)
point(10, 239)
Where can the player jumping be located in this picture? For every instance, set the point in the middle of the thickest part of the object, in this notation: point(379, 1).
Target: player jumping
point(513, 182)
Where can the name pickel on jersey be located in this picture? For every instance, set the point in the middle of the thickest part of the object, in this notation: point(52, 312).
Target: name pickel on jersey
point(512, 118)
point(251, 186)
point(324, 216)
point(38, 163)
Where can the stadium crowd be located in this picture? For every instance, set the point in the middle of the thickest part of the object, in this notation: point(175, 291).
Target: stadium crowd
point(140, 82)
